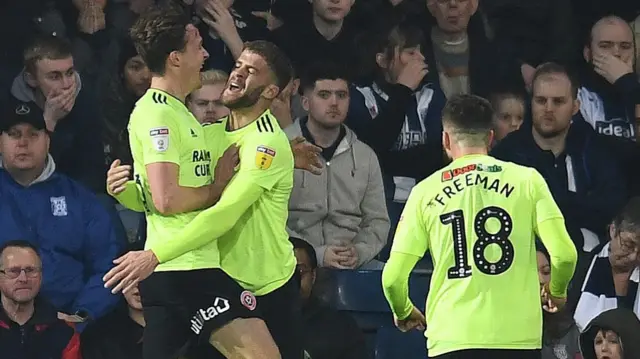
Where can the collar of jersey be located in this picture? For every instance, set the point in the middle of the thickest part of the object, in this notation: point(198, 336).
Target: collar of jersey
point(466, 158)
point(267, 112)
point(171, 99)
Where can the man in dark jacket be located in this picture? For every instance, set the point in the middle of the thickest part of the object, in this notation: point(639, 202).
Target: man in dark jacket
point(610, 88)
point(74, 232)
point(50, 80)
point(585, 182)
point(29, 326)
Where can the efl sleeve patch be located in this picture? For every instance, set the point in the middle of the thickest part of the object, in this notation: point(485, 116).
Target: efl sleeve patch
point(160, 138)
point(264, 157)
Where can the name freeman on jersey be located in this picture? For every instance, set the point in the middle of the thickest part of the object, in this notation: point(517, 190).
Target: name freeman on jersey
point(458, 185)
point(203, 169)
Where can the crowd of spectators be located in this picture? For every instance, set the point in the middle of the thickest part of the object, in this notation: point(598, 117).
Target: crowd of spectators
point(371, 80)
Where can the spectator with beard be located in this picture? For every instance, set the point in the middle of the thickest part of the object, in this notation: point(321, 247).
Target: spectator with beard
point(205, 103)
point(586, 184)
point(614, 272)
point(341, 212)
point(610, 89)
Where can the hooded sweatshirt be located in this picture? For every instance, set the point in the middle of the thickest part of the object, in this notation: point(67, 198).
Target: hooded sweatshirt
point(74, 234)
point(345, 202)
point(76, 142)
point(623, 322)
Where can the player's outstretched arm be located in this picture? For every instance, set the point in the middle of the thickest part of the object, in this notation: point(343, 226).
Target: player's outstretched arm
point(551, 230)
point(239, 195)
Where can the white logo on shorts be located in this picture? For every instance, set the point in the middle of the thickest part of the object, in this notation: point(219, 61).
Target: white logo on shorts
point(220, 305)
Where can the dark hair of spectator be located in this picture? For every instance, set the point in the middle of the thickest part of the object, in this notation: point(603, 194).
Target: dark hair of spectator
point(157, 33)
point(468, 115)
point(17, 243)
point(307, 248)
point(628, 219)
point(394, 35)
point(540, 248)
point(552, 68)
point(321, 71)
point(506, 92)
point(45, 47)
point(277, 61)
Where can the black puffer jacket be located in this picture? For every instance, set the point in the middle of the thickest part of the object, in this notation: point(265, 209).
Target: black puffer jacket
point(623, 322)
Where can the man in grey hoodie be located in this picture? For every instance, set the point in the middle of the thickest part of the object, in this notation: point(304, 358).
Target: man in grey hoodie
point(342, 211)
point(70, 113)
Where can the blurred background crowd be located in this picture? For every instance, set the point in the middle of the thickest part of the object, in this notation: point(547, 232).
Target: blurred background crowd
point(562, 76)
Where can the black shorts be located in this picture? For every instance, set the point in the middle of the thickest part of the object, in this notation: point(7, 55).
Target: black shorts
point(282, 312)
point(491, 354)
point(185, 307)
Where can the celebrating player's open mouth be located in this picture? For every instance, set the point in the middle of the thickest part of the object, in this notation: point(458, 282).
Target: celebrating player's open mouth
point(234, 86)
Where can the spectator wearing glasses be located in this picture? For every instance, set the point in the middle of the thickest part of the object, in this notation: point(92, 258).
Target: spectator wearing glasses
point(614, 272)
point(29, 325)
point(328, 333)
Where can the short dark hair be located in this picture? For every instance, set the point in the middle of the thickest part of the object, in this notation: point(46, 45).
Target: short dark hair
point(321, 71)
point(18, 243)
point(500, 93)
point(157, 33)
point(468, 115)
point(307, 248)
point(552, 68)
point(45, 47)
point(628, 219)
point(278, 62)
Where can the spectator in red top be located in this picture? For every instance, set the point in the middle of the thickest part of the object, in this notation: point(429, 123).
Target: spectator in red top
point(29, 326)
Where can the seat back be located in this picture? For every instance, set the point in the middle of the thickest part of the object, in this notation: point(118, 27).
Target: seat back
point(391, 343)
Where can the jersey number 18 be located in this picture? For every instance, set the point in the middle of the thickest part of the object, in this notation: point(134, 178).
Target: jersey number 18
point(461, 268)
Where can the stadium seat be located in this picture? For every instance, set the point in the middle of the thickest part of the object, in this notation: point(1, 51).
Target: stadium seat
point(359, 292)
point(391, 343)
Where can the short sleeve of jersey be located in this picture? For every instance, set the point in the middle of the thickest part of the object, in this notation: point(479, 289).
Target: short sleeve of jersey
point(545, 206)
point(265, 158)
point(411, 233)
point(154, 130)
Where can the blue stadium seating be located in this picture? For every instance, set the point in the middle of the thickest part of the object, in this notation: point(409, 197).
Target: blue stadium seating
point(394, 344)
point(359, 292)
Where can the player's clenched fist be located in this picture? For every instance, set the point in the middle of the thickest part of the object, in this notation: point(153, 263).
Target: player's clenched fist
point(117, 177)
point(415, 320)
